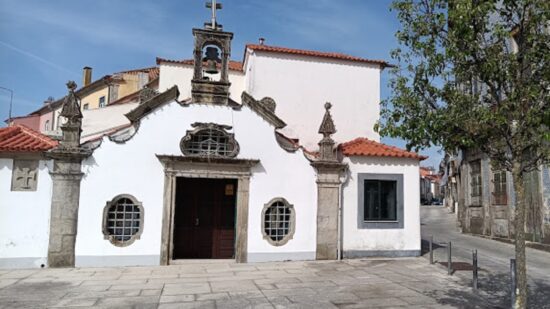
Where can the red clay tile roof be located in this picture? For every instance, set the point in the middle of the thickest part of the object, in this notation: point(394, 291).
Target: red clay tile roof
point(233, 65)
point(424, 171)
point(19, 138)
point(312, 53)
point(365, 147)
point(152, 71)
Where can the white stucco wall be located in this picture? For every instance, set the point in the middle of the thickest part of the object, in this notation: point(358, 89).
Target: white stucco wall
point(301, 85)
point(367, 239)
point(133, 168)
point(181, 75)
point(98, 120)
point(24, 219)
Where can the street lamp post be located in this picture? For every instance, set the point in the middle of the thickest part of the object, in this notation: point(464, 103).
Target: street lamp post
point(11, 100)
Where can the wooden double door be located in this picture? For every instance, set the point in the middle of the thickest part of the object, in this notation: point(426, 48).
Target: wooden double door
point(204, 218)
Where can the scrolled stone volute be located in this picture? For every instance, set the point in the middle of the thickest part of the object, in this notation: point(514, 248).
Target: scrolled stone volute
point(269, 103)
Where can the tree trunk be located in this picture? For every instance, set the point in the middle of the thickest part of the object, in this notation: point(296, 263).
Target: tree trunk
point(519, 188)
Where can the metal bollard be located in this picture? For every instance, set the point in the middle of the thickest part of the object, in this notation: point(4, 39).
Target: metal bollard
point(431, 250)
point(474, 264)
point(513, 283)
point(449, 260)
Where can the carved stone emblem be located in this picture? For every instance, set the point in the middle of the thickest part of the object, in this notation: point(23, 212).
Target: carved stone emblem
point(24, 175)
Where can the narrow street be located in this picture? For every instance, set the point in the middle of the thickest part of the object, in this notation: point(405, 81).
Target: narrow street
point(493, 256)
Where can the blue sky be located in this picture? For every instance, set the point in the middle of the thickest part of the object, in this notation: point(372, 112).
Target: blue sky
point(45, 43)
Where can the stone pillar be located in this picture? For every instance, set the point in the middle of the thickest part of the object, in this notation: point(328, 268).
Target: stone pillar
point(329, 170)
point(66, 176)
point(328, 200)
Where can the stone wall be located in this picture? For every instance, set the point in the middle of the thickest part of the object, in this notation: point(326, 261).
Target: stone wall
point(498, 220)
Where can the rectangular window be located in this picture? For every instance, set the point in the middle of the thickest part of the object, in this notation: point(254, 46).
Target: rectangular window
point(475, 178)
point(86, 106)
point(102, 101)
point(499, 188)
point(380, 202)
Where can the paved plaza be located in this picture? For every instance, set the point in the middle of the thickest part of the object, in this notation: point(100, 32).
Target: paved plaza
point(368, 283)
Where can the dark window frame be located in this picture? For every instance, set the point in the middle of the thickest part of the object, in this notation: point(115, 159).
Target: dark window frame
point(100, 103)
point(386, 224)
point(377, 191)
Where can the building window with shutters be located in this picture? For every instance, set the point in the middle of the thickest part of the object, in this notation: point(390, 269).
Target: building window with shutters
point(102, 102)
point(475, 183)
point(500, 194)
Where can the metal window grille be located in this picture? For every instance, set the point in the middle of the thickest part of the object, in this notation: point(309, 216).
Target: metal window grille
point(210, 142)
point(123, 220)
point(277, 221)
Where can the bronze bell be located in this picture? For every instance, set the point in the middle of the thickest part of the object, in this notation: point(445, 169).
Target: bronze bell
point(212, 59)
point(211, 67)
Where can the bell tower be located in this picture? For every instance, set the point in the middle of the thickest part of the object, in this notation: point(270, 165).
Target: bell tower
point(210, 83)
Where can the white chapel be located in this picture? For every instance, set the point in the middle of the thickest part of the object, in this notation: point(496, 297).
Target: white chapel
point(270, 159)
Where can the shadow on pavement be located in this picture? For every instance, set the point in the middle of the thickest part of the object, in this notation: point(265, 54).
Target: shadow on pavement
point(494, 292)
point(425, 246)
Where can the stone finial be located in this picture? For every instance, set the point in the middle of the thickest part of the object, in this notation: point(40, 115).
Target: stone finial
point(326, 145)
point(72, 127)
point(327, 125)
point(146, 94)
point(71, 108)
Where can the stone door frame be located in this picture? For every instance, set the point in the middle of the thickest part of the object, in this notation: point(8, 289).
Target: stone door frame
point(179, 166)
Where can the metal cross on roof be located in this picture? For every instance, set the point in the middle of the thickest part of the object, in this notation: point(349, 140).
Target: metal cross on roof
point(213, 5)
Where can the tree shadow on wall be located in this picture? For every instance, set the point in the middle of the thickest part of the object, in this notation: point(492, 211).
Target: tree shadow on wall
point(493, 292)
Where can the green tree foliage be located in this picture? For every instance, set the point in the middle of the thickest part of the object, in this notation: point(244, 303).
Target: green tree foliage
point(475, 74)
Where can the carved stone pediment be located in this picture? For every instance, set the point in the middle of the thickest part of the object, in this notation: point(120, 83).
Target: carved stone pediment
point(209, 140)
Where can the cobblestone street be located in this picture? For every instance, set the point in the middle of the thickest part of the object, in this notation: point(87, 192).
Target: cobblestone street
point(406, 283)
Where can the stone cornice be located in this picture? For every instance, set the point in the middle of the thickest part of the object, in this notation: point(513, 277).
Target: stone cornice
point(262, 110)
point(208, 160)
point(155, 102)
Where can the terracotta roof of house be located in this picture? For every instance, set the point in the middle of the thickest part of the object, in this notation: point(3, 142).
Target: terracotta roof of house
point(233, 65)
point(152, 71)
point(425, 171)
point(19, 138)
point(434, 178)
point(313, 53)
point(366, 147)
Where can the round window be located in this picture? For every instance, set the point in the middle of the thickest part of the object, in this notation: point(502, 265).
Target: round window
point(278, 221)
point(123, 220)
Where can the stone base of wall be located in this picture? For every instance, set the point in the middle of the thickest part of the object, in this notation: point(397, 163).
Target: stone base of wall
point(254, 257)
point(23, 262)
point(351, 254)
point(116, 260)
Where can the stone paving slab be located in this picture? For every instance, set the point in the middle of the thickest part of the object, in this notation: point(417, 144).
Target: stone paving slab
point(367, 283)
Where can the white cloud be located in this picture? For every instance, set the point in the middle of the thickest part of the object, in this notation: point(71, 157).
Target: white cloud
point(131, 25)
point(38, 58)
